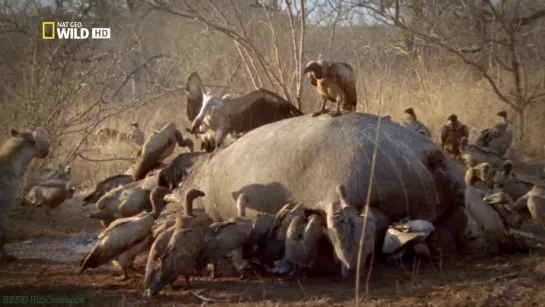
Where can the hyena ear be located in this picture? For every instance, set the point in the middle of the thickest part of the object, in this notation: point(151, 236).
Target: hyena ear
point(13, 132)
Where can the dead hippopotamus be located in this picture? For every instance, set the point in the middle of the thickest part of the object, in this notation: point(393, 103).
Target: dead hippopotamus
point(302, 160)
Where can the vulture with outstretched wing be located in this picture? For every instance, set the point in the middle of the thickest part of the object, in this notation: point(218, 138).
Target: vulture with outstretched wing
point(237, 115)
point(335, 82)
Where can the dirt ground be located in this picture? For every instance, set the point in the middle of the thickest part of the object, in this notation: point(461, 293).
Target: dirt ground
point(48, 260)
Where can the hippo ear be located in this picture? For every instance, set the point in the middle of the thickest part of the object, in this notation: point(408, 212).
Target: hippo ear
point(13, 132)
point(435, 159)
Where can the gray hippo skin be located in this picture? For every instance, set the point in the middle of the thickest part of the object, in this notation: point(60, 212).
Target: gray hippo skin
point(303, 159)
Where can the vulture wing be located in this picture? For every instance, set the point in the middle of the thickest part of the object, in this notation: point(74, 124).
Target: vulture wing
point(153, 151)
point(194, 92)
point(342, 74)
point(255, 109)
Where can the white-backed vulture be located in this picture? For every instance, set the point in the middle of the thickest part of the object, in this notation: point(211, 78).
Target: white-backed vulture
point(483, 176)
point(222, 239)
point(62, 173)
point(136, 135)
point(532, 204)
point(335, 82)
point(472, 154)
point(123, 234)
point(450, 134)
point(498, 138)
point(180, 256)
point(507, 181)
point(407, 237)
point(276, 238)
point(157, 148)
point(105, 218)
point(345, 227)
point(411, 122)
point(504, 204)
point(486, 220)
point(238, 115)
point(301, 246)
point(106, 185)
point(49, 195)
point(162, 238)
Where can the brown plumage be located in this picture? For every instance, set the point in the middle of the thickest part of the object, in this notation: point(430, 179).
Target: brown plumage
point(237, 115)
point(16, 153)
point(106, 185)
point(472, 154)
point(412, 123)
point(450, 134)
point(532, 205)
point(122, 234)
point(62, 173)
point(345, 227)
point(301, 246)
point(488, 219)
point(136, 135)
point(481, 177)
point(179, 258)
point(157, 148)
point(507, 181)
point(105, 218)
point(334, 82)
point(49, 195)
point(162, 238)
point(224, 238)
point(499, 137)
point(275, 242)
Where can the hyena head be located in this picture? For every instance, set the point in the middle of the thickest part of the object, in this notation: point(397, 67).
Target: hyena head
point(25, 145)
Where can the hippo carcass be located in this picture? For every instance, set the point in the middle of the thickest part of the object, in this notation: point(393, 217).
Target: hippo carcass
point(302, 159)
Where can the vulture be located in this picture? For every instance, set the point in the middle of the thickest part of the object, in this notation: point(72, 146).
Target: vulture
point(499, 137)
point(345, 227)
point(334, 82)
point(407, 237)
point(179, 257)
point(163, 237)
point(451, 133)
point(301, 246)
point(412, 123)
point(234, 116)
point(157, 148)
point(106, 185)
point(136, 135)
point(532, 204)
point(122, 240)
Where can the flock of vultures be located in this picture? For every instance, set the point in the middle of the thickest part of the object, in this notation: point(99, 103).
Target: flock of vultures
point(130, 205)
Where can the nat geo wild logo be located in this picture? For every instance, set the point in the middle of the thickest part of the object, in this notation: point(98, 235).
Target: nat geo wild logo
point(72, 30)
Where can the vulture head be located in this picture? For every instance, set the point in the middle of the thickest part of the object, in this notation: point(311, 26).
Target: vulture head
point(315, 68)
point(502, 114)
point(135, 125)
point(208, 102)
point(453, 118)
point(410, 114)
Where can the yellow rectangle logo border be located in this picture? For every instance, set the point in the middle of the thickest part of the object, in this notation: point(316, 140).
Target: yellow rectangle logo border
point(46, 23)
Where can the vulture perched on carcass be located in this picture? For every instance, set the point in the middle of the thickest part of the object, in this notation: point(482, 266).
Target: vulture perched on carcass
point(499, 137)
point(237, 115)
point(412, 123)
point(335, 82)
point(451, 134)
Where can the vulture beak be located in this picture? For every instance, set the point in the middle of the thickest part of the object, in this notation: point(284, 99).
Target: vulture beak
point(306, 70)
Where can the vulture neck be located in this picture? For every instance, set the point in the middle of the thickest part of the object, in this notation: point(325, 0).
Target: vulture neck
point(209, 103)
